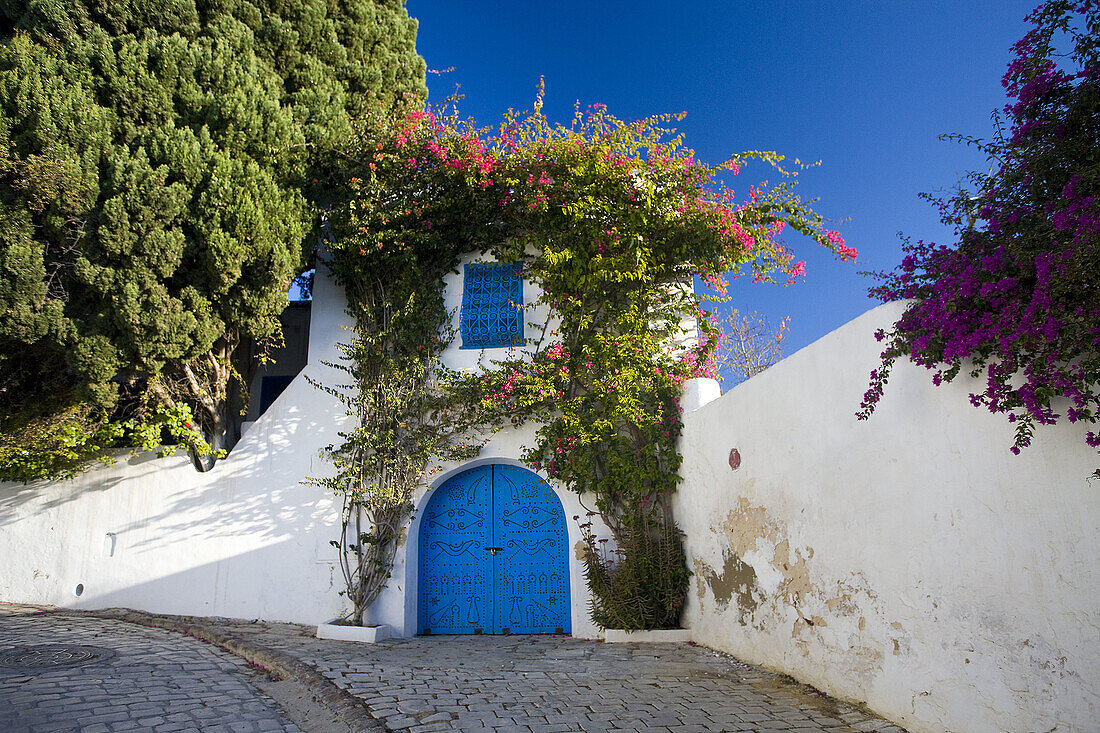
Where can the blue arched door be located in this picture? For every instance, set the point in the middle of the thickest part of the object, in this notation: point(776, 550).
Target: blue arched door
point(493, 556)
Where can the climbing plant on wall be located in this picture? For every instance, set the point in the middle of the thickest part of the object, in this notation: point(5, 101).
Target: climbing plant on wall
point(1015, 301)
point(611, 220)
point(391, 264)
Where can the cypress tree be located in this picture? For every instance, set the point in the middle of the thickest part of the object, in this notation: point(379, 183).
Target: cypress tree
point(154, 163)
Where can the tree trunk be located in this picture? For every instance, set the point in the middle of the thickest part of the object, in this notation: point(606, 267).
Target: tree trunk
point(215, 388)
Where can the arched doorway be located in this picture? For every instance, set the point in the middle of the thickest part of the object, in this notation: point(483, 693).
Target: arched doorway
point(493, 555)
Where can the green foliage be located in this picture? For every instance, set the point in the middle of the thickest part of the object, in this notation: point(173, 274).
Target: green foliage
point(59, 443)
point(154, 165)
point(640, 583)
point(56, 445)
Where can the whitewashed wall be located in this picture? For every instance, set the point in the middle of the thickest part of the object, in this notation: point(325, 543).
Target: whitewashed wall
point(909, 562)
point(246, 539)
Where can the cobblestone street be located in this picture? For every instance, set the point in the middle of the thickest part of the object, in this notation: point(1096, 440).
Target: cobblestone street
point(163, 681)
point(147, 680)
point(554, 684)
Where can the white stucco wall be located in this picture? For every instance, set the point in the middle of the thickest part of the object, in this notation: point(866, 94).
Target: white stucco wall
point(910, 562)
point(246, 539)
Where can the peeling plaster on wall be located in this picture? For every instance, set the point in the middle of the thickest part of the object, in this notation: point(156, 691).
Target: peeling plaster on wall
point(775, 587)
point(746, 524)
point(865, 661)
point(736, 577)
point(1045, 656)
point(843, 602)
point(901, 640)
point(759, 544)
point(797, 584)
point(1033, 671)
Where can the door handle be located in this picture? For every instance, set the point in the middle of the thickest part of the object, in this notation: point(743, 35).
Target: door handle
point(494, 550)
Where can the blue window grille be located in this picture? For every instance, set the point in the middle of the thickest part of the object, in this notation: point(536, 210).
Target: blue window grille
point(492, 299)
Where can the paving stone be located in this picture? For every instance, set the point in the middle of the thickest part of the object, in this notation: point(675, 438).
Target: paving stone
point(157, 681)
point(530, 684)
point(431, 728)
point(436, 717)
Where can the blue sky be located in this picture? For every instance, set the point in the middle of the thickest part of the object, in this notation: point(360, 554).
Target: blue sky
point(864, 87)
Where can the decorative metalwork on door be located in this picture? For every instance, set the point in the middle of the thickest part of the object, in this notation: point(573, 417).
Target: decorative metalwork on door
point(493, 556)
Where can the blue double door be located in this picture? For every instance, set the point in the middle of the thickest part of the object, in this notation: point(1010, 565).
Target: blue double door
point(493, 556)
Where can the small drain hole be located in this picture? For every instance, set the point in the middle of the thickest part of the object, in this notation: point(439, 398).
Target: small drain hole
point(78, 590)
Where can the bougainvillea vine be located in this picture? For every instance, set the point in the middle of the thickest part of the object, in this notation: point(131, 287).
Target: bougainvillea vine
point(1016, 301)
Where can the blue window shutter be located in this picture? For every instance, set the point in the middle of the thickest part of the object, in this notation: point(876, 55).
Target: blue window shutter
point(491, 296)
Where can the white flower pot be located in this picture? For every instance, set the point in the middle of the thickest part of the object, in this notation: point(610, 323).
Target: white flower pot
point(364, 634)
point(617, 636)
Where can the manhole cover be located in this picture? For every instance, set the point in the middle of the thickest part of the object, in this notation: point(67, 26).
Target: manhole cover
point(46, 656)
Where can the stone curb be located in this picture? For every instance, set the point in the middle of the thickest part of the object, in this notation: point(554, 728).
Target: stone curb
point(349, 708)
